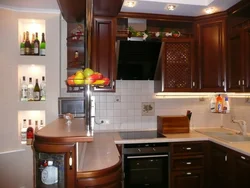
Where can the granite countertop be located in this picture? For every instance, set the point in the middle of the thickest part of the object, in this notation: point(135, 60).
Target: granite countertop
point(102, 152)
point(59, 132)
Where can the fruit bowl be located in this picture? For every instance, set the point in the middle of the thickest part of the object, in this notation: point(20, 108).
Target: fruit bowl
point(82, 83)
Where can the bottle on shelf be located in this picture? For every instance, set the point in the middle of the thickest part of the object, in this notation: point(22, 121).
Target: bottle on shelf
point(76, 58)
point(22, 45)
point(43, 46)
point(213, 104)
point(226, 107)
point(30, 133)
point(37, 92)
point(43, 89)
point(32, 44)
point(41, 124)
point(24, 90)
point(27, 45)
point(36, 126)
point(36, 45)
point(219, 104)
point(30, 90)
point(24, 132)
point(49, 174)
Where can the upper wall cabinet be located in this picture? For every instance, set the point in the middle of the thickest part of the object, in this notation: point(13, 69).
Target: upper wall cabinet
point(211, 52)
point(103, 50)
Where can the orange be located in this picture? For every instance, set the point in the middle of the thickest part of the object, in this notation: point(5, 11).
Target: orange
point(70, 80)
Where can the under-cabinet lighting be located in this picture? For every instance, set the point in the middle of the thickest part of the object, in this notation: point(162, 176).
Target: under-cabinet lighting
point(129, 3)
point(210, 10)
point(171, 7)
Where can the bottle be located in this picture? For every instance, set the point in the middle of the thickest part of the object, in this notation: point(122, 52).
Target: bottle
point(22, 44)
point(213, 104)
point(24, 132)
point(43, 89)
point(49, 174)
point(219, 104)
point(30, 90)
point(76, 56)
point(36, 126)
point(36, 45)
point(43, 46)
point(30, 133)
point(226, 107)
point(24, 90)
point(41, 124)
point(32, 44)
point(27, 45)
point(36, 92)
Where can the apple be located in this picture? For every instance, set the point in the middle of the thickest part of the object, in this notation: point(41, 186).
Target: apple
point(98, 75)
point(87, 72)
point(70, 80)
point(106, 81)
point(89, 80)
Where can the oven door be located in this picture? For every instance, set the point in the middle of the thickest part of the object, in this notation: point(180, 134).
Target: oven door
point(146, 171)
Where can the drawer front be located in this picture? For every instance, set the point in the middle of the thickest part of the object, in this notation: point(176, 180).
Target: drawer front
point(184, 163)
point(187, 148)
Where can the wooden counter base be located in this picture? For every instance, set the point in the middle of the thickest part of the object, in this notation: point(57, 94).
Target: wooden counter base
point(107, 178)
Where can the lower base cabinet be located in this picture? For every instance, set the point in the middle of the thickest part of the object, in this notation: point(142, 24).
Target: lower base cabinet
point(106, 178)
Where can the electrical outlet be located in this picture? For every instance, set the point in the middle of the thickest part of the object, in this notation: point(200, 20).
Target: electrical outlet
point(117, 98)
point(104, 121)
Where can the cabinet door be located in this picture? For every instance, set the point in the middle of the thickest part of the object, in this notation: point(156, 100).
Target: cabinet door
point(178, 65)
point(63, 157)
point(246, 60)
point(235, 62)
point(242, 170)
point(211, 55)
point(187, 179)
point(220, 166)
point(103, 50)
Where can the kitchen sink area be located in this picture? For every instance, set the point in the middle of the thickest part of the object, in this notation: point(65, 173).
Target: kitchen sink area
point(225, 135)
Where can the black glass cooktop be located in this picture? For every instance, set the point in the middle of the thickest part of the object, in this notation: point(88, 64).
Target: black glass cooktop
point(140, 135)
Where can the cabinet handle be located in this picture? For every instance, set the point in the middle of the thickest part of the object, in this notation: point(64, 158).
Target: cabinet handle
point(139, 150)
point(239, 82)
point(193, 84)
point(242, 157)
point(223, 83)
point(187, 148)
point(188, 173)
point(243, 83)
point(70, 160)
point(188, 163)
point(225, 157)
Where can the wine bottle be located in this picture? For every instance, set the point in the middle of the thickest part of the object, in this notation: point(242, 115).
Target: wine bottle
point(36, 45)
point(24, 90)
point(43, 89)
point(24, 132)
point(36, 92)
point(30, 133)
point(43, 46)
point(36, 126)
point(30, 90)
point(22, 44)
point(32, 44)
point(27, 45)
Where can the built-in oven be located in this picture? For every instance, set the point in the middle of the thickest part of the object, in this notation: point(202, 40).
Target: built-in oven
point(146, 165)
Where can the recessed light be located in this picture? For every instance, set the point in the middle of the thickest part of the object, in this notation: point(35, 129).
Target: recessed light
point(170, 7)
point(129, 3)
point(210, 10)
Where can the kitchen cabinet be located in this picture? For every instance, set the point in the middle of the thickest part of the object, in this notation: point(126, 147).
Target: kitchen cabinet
point(63, 157)
point(211, 52)
point(239, 61)
point(103, 50)
point(176, 69)
point(188, 164)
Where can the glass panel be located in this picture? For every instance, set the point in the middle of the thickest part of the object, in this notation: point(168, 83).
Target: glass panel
point(50, 170)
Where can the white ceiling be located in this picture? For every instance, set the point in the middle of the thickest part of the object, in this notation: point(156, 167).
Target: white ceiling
point(185, 7)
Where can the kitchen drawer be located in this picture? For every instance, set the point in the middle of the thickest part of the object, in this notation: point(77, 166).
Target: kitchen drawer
point(184, 163)
point(187, 148)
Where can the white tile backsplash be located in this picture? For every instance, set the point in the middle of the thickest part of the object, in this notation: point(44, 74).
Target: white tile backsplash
point(126, 114)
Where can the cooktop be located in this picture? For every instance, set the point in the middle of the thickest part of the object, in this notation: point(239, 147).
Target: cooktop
point(140, 135)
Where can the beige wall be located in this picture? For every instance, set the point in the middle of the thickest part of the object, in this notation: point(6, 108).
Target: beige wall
point(16, 159)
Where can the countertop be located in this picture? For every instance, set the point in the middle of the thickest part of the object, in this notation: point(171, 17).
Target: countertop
point(60, 132)
point(102, 152)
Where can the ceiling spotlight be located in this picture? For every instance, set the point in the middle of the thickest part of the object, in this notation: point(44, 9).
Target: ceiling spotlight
point(210, 10)
point(129, 3)
point(170, 7)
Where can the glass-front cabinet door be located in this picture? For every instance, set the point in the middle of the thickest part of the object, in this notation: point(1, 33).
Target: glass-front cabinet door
point(55, 165)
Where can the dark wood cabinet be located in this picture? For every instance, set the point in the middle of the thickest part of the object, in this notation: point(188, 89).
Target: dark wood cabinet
point(211, 52)
point(188, 166)
point(176, 70)
point(63, 157)
point(103, 50)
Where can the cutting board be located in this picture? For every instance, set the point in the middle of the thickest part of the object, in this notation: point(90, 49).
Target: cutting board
point(172, 124)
